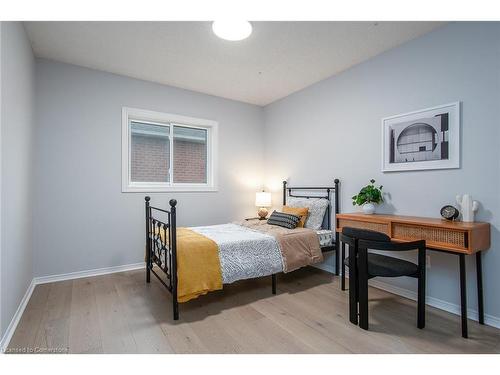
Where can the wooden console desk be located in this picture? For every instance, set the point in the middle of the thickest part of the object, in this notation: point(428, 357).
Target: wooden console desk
point(451, 237)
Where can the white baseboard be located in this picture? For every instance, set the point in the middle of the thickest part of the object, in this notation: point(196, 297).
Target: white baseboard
point(88, 273)
point(9, 332)
point(453, 308)
point(490, 320)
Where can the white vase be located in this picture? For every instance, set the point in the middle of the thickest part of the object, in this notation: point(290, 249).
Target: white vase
point(468, 207)
point(368, 208)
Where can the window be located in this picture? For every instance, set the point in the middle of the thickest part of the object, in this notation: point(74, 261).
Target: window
point(165, 152)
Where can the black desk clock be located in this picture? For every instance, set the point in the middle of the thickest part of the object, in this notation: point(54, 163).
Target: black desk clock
point(449, 212)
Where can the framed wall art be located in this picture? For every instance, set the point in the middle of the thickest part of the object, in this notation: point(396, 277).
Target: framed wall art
point(420, 140)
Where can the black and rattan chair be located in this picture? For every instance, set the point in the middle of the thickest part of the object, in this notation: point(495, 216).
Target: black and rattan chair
point(364, 265)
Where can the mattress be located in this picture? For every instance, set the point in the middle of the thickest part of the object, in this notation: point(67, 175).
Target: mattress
point(325, 237)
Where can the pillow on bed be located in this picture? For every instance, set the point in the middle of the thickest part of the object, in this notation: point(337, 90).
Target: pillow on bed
point(317, 208)
point(283, 220)
point(301, 212)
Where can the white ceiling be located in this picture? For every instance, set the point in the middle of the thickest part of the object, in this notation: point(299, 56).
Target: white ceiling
point(278, 59)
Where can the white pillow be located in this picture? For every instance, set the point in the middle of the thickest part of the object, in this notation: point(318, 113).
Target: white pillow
point(317, 208)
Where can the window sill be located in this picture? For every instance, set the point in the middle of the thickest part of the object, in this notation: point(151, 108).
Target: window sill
point(169, 189)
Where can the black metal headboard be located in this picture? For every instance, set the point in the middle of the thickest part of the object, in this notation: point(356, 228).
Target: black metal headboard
point(327, 190)
point(328, 195)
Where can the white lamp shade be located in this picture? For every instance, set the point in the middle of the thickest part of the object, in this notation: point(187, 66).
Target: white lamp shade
point(263, 199)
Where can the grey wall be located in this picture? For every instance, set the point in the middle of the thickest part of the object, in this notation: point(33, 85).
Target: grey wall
point(332, 129)
point(17, 125)
point(82, 219)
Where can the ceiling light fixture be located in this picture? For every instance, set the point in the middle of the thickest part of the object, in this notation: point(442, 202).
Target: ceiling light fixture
point(232, 30)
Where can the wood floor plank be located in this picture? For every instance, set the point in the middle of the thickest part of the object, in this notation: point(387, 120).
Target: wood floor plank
point(180, 335)
point(275, 339)
point(120, 313)
point(147, 334)
point(321, 312)
point(258, 335)
point(312, 337)
point(23, 337)
point(52, 335)
point(115, 331)
point(84, 330)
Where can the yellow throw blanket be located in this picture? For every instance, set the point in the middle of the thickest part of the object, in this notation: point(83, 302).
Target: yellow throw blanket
point(198, 265)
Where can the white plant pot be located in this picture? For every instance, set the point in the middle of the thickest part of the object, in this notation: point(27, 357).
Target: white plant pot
point(368, 208)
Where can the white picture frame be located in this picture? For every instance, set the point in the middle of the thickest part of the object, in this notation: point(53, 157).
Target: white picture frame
point(422, 140)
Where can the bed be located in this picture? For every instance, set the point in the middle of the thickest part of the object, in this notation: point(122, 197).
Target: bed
point(190, 262)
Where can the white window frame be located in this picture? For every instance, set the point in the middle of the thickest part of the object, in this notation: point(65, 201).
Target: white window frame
point(171, 120)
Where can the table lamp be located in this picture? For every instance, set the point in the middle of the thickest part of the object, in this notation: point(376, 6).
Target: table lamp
point(262, 200)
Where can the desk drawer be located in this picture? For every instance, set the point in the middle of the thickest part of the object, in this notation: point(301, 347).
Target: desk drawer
point(379, 227)
point(430, 234)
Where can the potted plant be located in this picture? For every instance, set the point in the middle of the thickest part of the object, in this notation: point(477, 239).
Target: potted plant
point(368, 197)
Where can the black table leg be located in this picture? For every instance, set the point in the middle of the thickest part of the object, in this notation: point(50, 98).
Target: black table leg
point(463, 295)
point(342, 264)
point(479, 272)
point(337, 254)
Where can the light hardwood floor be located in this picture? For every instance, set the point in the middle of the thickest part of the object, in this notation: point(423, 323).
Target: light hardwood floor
point(120, 313)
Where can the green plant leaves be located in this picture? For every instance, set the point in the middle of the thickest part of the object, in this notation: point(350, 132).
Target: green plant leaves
point(368, 194)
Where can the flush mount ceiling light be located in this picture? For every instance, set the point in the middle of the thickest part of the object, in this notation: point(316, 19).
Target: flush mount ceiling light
point(232, 30)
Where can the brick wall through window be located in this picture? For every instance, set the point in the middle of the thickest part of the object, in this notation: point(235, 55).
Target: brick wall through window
point(150, 159)
point(190, 162)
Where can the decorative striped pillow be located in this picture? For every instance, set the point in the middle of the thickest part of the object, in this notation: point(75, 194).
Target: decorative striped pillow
point(283, 220)
point(317, 208)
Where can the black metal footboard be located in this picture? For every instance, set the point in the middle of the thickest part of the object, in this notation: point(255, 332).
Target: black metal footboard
point(161, 248)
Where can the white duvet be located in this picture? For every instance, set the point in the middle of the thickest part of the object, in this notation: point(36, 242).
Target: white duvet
point(243, 253)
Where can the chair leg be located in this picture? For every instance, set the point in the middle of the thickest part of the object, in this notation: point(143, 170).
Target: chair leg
point(363, 288)
point(356, 287)
point(273, 283)
point(353, 295)
point(363, 303)
point(342, 263)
